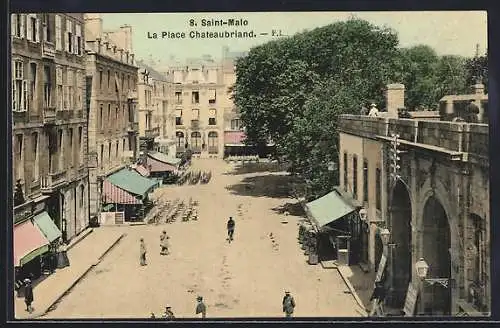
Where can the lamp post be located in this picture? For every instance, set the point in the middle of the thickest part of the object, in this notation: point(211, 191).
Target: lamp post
point(421, 268)
point(385, 235)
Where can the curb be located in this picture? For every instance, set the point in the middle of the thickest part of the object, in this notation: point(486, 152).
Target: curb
point(353, 292)
point(79, 278)
point(81, 237)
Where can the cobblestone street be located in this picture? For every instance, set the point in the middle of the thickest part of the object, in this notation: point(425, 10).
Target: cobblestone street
point(246, 278)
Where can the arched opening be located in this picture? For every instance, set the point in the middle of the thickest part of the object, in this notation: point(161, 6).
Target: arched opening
point(436, 299)
point(400, 214)
point(196, 142)
point(180, 141)
point(213, 142)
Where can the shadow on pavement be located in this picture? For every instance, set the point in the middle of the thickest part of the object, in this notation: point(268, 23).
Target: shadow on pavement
point(256, 167)
point(275, 186)
point(363, 284)
point(294, 209)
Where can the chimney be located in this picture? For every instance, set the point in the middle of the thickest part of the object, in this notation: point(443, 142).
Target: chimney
point(395, 98)
point(127, 32)
point(93, 26)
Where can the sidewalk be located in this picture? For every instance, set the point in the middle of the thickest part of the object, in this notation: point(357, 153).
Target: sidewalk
point(86, 253)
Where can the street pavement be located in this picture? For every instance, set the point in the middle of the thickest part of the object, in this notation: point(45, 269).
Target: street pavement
point(246, 278)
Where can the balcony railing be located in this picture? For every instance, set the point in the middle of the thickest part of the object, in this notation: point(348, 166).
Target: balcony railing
point(52, 180)
point(49, 115)
point(132, 126)
point(195, 124)
point(48, 50)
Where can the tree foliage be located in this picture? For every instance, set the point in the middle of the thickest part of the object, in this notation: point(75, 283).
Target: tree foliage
point(292, 90)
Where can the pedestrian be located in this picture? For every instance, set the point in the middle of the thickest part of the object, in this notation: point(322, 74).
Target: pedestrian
point(377, 299)
point(288, 304)
point(164, 243)
point(230, 228)
point(168, 313)
point(143, 252)
point(28, 295)
point(153, 315)
point(373, 111)
point(62, 255)
point(201, 307)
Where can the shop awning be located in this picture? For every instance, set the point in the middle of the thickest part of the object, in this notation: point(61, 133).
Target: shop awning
point(131, 181)
point(44, 222)
point(158, 166)
point(328, 209)
point(174, 161)
point(142, 170)
point(29, 242)
point(234, 138)
point(115, 195)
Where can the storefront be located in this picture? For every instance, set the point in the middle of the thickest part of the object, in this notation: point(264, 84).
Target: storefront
point(52, 233)
point(161, 166)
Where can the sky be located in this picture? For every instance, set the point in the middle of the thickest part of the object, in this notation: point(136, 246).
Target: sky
point(448, 32)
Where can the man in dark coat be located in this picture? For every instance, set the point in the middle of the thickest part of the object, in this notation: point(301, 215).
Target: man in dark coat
point(143, 252)
point(201, 307)
point(288, 304)
point(28, 295)
point(169, 315)
point(378, 298)
point(230, 228)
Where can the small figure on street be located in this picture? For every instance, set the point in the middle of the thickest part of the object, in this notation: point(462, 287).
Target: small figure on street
point(377, 299)
point(152, 315)
point(169, 315)
point(164, 243)
point(288, 304)
point(143, 252)
point(373, 111)
point(201, 307)
point(62, 255)
point(230, 228)
point(28, 295)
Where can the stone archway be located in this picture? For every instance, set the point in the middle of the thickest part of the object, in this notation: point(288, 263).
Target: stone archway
point(401, 237)
point(436, 250)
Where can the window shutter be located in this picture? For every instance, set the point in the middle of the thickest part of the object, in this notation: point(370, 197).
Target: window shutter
point(25, 95)
point(13, 24)
point(23, 24)
point(37, 30)
point(29, 29)
point(14, 105)
point(75, 47)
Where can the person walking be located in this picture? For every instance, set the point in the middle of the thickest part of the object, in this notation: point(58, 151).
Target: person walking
point(373, 111)
point(28, 295)
point(377, 299)
point(201, 307)
point(169, 315)
point(230, 228)
point(288, 304)
point(143, 252)
point(164, 243)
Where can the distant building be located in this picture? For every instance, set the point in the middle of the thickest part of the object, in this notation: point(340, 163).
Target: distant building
point(49, 135)
point(438, 208)
point(111, 104)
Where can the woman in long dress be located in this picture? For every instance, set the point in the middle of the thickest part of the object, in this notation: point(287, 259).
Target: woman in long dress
point(62, 255)
point(164, 243)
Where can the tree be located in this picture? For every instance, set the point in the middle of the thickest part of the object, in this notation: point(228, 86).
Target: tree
point(18, 194)
point(477, 71)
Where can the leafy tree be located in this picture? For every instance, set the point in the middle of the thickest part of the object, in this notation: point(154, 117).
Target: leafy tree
point(477, 70)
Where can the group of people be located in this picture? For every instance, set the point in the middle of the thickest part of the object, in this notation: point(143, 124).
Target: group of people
point(201, 308)
point(164, 245)
point(372, 112)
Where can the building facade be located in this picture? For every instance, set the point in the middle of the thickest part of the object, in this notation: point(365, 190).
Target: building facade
point(49, 119)
point(437, 209)
point(111, 82)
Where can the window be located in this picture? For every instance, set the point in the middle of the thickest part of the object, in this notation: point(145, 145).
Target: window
point(109, 115)
point(47, 31)
point(365, 180)
point(195, 114)
point(355, 177)
point(102, 155)
point(80, 144)
point(212, 142)
point(100, 79)
point(71, 90)
point(101, 121)
point(378, 189)
point(69, 36)
point(178, 120)
point(116, 150)
point(178, 97)
point(32, 31)
point(32, 84)
point(211, 121)
point(109, 78)
point(109, 151)
point(123, 147)
point(17, 25)
point(196, 140)
point(123, 83)
point(128, 82)
point(58, 33)
point(61, 152)
point(19, 157)
point(346, 182)
point(78, 44)
point(36, 166)
point(70, 142)
point(19, 87)
point(59, 81)
point(116, 113)
point(82, 196)
point(212, 95)
point(195, 97)
point(180, 139)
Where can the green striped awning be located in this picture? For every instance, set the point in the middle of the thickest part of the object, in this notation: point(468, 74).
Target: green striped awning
point(47, 226)
point(328, 208)
point(132, 182)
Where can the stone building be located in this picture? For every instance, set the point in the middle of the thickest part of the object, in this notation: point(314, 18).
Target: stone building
point(111, 81)
point(49, 134)
point(438, 208)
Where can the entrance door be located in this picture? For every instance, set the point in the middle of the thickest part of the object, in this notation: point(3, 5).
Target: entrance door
point(343, 249)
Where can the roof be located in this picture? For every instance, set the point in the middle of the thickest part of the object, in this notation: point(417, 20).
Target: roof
point(464, 97)
point(164, 158)
point(131, 181)
point(116, 195)
point(152, 72)
point(159, 166)
point(47, 226)
point(329, 208)
point(29, 242)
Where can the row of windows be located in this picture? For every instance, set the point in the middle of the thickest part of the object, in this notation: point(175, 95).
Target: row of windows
point(197, 140)
point(28, 26)
point(354, 182)
point(195, 97)
point(112, 118)
point(122, 82)
point(109, 148)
